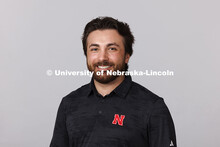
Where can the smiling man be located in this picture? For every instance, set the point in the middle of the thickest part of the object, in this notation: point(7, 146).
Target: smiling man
point(112, 110)
point(106, 52)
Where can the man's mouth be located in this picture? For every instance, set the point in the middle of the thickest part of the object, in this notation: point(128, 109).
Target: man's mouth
point(103, 67)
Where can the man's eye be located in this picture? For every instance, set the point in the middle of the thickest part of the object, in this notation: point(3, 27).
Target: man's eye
point(93, 49)
point(112, 48)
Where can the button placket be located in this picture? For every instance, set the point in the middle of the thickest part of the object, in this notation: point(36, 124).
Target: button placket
point(100, 110)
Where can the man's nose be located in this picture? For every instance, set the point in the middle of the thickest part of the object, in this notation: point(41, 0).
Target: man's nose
point(103, 55)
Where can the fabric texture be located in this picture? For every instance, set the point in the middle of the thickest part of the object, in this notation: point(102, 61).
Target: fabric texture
point(130, 116)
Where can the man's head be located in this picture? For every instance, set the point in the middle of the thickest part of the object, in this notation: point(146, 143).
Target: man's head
point(107, 44)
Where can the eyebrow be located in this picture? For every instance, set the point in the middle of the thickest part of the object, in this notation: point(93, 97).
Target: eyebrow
point(110, 44)
point(94, 45)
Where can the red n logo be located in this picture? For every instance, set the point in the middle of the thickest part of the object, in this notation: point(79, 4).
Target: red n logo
point(118, 119)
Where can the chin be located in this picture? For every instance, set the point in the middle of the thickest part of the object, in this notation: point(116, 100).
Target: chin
point(104, 79)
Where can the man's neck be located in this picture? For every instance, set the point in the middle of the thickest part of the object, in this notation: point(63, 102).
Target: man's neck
point(105, 89)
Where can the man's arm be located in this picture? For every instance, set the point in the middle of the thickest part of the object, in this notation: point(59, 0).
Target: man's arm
point(60, 135)
point(160, 127)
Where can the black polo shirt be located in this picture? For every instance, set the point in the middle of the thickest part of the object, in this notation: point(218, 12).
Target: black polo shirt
point(130, 116)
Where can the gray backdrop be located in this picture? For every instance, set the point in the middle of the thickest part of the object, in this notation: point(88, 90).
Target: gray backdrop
point(37, 35)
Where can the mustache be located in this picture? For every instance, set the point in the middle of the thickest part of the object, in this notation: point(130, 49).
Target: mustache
point(103, 63)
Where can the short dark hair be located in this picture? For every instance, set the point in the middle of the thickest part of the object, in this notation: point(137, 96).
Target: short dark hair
point(102, 23)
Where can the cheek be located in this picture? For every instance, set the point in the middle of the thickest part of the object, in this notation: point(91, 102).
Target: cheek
point(118, 58)
point(90, 59)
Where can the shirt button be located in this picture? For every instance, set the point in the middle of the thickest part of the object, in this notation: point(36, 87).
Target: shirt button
point(100, 112)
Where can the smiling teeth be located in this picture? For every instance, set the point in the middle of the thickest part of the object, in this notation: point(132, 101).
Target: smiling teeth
point(103, 67)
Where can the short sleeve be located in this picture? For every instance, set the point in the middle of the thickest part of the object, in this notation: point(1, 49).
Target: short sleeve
point(161, 127)
point(60, 135)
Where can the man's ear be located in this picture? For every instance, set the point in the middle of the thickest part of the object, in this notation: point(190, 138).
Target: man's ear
point(127, 57)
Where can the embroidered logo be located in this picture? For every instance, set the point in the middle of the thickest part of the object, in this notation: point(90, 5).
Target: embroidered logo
point(171, 143)
point(118, 120)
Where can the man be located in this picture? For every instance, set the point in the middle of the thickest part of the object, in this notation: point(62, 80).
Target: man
point(111, 111)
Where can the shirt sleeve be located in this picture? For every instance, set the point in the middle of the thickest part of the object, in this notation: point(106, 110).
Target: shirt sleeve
point(60, 135)
point(161, 127)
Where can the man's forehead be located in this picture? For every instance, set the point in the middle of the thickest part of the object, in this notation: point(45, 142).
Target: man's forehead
point(109, 36)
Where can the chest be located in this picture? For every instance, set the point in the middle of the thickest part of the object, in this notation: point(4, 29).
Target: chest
point(107, 119)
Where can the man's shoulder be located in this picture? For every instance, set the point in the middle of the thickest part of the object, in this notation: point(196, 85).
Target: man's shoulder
point(141, 92)
point(78, 93)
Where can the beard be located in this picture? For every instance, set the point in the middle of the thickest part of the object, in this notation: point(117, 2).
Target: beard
point(104, 78)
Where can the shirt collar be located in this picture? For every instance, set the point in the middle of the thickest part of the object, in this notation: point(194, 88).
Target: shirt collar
point(121, 90)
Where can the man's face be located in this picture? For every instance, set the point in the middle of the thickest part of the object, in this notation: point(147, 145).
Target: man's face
point(105, 51)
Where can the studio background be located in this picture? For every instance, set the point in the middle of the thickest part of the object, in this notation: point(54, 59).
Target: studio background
point(41, 35)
